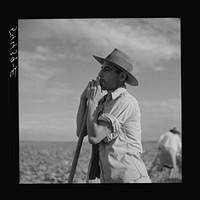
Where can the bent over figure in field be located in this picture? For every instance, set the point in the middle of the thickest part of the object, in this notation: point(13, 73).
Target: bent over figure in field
point(169, 148)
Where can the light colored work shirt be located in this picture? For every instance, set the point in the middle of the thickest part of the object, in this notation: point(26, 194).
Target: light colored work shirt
point(170, 140)
point(119, 152)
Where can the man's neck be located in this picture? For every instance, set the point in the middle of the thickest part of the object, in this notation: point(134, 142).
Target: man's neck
point(112, 90)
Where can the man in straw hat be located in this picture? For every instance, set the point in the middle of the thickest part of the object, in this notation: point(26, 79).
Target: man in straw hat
point(113, 123)
point(169, 148)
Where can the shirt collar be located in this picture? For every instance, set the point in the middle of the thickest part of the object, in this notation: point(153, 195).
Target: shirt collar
point(118, 92)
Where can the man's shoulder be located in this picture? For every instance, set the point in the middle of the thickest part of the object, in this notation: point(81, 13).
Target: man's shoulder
point(127, 97)
point(168, 133)
point(126, 100)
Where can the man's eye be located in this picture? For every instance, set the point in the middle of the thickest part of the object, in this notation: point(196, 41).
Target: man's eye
point(106, 69)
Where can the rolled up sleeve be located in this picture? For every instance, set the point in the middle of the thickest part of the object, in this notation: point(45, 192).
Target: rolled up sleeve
point(107, 117)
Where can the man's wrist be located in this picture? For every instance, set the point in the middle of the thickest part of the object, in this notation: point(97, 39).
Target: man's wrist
point(92, 108)
point(92, 103)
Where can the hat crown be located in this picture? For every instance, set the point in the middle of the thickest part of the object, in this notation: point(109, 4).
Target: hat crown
point(121, 59)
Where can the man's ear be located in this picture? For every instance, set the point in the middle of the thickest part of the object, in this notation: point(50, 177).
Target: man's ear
point(123, 76)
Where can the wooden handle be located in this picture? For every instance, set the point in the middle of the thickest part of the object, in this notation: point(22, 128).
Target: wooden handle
point(78, 148)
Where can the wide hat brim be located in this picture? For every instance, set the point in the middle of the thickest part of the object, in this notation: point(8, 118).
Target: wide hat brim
point(131, 79)
point(175, 130)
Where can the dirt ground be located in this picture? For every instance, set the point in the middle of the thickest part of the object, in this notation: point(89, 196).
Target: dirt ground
point(50, 162)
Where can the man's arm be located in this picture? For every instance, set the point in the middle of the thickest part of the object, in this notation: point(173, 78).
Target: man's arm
point(179, 153)
point(96, 131)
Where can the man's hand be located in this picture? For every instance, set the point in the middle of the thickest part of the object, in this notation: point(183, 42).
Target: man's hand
point(94, 91)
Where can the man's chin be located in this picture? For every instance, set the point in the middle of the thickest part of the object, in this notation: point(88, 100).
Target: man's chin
point(102, 85)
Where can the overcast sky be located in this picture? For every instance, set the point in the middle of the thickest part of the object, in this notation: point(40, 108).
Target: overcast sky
point(56, 63)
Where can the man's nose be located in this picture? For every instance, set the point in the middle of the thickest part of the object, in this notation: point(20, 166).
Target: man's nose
point(100, 73)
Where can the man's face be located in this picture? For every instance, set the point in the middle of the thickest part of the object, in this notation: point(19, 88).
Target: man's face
point(109, 78)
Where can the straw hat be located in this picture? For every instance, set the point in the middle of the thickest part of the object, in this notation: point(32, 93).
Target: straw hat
point(121, 61)
point(175, 130)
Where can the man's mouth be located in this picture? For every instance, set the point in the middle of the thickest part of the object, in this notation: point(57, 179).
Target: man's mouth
point(102, 80)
